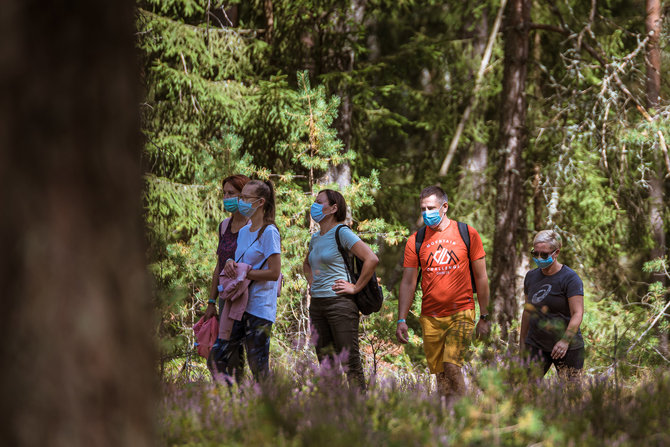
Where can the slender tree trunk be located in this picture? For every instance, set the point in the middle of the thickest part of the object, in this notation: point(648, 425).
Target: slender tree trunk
point(656, 183)
point(269, 20)
point(342, 60)
point(77, 348)
point(509, 199)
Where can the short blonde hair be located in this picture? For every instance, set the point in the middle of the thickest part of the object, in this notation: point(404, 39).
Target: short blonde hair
point(549, 237)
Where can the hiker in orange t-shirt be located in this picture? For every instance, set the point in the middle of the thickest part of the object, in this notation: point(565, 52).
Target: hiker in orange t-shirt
point(448, 307)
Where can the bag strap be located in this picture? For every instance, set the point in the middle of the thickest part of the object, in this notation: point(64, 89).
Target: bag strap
point(250, 245)
point(465, 235)
point(343, 252)
point(420, 236)
point(223, 226)
point(259, 268)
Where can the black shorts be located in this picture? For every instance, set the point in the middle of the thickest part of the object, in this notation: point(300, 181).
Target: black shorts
point(571, 363)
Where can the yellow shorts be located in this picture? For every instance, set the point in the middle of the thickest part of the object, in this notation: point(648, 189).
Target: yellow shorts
point(446, 339)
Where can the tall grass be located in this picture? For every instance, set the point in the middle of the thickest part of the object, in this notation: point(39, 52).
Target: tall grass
point(304, 404)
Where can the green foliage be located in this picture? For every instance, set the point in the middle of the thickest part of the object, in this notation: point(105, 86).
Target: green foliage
point(223, 100)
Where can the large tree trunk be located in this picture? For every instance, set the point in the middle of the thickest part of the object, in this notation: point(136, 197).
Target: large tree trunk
point(656, 183)
point(75, 326)
point(510, 176)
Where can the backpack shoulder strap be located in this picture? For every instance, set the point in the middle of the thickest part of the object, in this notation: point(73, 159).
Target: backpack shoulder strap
point(420, 236)
point(340, 248)
point(223, 226)
point(343, 252)
point(465, 235)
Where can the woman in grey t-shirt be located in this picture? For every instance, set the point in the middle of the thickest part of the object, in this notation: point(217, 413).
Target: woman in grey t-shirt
point(553, 311)
point(333, 313)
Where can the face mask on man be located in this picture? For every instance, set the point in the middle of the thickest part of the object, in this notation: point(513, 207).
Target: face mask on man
point(432, 218)
point(245, 208)
point(230, 204)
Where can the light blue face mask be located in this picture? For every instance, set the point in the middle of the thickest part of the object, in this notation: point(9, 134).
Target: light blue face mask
point(543, 263)
point(316, 211)
point(245, 208)
point(431, 217)
point(230, 204)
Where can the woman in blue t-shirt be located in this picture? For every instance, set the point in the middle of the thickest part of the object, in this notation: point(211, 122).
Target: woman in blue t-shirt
point(258, 245)
point(228, 230)
point(554, 310)
point(333, 313)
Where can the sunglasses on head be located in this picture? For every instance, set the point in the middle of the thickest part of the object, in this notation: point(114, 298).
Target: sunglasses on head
point(541, 254)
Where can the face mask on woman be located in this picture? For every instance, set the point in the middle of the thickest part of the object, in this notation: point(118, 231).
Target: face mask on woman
point(245, 208)
point(230, 204)
point(431, 217)
point(316, 211)
point(544, 263)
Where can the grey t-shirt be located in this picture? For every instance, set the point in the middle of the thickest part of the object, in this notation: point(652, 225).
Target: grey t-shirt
point(550, 311)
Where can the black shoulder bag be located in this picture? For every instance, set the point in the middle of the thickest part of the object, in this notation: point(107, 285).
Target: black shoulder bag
point(370, 298)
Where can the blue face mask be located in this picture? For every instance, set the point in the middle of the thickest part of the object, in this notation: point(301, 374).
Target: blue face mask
point(543, 263)
point(230, 204)
point(431, 217)
point(316, 211)
point(245, 208)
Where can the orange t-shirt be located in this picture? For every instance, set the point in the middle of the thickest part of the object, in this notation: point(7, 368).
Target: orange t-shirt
point(445, 267)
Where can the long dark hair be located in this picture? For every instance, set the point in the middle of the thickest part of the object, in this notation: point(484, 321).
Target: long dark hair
point(266, 190)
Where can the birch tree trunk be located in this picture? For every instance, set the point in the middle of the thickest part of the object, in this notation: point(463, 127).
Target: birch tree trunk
point(509, 199)
point(77, 348)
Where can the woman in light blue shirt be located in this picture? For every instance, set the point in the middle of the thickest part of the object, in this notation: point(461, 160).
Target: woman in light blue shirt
point(258, 245)
point(333, 313)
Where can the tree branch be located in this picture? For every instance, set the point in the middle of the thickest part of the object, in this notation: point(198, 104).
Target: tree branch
point(473, 100)
point(602, 60)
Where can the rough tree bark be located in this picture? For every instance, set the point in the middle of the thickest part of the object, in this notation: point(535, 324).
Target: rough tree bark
point(510, 174)
point(75, 326)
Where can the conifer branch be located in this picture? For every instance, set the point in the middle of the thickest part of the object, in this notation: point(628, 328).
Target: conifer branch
point(602, 60)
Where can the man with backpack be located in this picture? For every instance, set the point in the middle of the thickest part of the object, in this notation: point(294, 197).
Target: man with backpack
point(450, 258)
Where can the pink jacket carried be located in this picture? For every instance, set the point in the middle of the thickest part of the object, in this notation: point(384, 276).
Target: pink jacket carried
point(205, 335)
point(235, 293)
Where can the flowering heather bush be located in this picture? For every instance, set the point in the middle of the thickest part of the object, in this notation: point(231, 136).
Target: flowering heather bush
point(306, 404)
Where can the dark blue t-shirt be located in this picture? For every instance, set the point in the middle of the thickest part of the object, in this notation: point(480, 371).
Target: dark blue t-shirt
point(549, 310)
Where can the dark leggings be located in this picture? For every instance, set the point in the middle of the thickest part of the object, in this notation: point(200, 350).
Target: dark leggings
point(335, 324)
point(226, 356)
point(569, 366)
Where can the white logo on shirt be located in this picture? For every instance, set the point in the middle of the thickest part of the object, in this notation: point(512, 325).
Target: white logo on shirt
point(541, 294)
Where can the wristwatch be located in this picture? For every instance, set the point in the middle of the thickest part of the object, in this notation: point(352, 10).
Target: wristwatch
point(484, 317)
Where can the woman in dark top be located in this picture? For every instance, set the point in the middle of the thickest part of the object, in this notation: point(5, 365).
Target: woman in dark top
point(227, 231)
point(554, 310)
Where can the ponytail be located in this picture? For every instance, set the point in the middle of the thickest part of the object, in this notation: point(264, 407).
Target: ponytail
point(265, 189)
